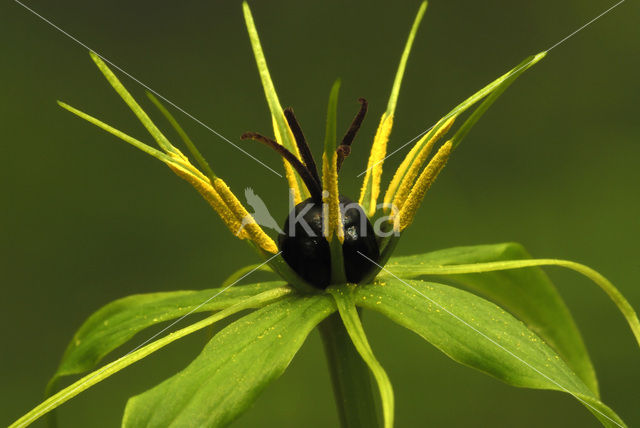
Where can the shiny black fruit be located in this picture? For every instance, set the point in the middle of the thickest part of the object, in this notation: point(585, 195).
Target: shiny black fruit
point(307, 251)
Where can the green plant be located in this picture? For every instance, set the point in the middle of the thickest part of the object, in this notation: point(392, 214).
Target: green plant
point(536, 344)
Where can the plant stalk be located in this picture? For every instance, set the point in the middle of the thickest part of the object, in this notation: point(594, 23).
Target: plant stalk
point(350, 377)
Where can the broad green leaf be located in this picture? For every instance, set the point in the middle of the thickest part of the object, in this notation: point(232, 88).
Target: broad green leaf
point(114, 367)
point(522, 265)
point(345, 301)
point(115, 323)
point(526, 293)
point(232, 368)
point(479, 334)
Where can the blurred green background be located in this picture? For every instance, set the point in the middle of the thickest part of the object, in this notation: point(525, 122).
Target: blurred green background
point(86, 219)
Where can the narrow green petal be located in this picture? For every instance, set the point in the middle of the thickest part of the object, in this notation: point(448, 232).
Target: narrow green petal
point(265, 77)
point(282, 131)
point(371, 183)
point(330, 194)
point(134, 106)
point(397, 82)
point(110, 129)
point(345, 301)
point(105, 371)
point(183, 135)
point(492, 91)
point(484, 106)
point(330, 136)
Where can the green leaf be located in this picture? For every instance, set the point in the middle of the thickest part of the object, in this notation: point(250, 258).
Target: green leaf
point(345, 301)
point(521, 265)
point(115, 323)
point(332, 119)
point(109, 369)
point(232, 369)
point(479, 334)
point(526, 293)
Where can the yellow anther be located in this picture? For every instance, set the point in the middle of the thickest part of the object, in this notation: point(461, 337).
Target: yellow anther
point(427, 177)
point(300, 192)
point(406, 174)
point(330, 198)
point(371, 186)
point(253, 230)
point(212, 197)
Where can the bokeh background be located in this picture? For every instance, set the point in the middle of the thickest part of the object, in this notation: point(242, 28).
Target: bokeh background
point(86, 219)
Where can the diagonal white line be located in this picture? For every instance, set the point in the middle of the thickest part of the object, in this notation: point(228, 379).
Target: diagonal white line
point(148, 88)
point(491, 340)
point(203, 303)
point(548, 50)
point(46, 409)
point(420, 135)
point(586, 25)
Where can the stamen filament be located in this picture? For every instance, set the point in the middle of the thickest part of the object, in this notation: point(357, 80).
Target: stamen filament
point(312, 185)
point(296, 183)
point(344, 149)
point(301, 142)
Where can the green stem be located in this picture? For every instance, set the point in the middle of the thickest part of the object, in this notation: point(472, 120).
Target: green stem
point(350, 377)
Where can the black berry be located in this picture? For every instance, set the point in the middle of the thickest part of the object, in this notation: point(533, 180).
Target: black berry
point(306, 250)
